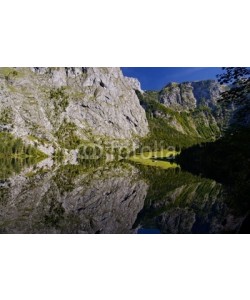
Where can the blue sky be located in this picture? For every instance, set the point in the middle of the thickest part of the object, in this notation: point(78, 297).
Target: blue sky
point(157, 78)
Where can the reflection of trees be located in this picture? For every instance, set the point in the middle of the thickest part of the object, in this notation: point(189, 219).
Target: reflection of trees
point(113, 198)
point(179, 202)
point(74, 199)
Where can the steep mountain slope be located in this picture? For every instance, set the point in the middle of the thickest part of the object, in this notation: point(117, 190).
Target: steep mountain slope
point(65, 107)
point(185, 114)
point(190, 95)
point(61, 109)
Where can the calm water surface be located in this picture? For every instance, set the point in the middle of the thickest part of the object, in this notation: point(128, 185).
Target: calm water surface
point(115, 197)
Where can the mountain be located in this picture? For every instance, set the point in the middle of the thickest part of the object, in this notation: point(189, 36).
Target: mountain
point(62, 108)
point(190, 95)
point(185, 113)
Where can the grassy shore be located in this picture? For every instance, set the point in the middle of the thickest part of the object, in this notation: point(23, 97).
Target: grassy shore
point(153, 159)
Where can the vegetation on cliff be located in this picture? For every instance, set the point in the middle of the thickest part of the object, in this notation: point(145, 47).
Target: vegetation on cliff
point(227, 160)
point(172, 128)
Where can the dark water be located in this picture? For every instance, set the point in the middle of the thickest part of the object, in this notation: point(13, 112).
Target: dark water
point(115, 197)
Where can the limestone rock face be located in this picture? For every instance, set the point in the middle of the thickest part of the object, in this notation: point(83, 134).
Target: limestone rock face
point(189, 95)
point(91, 103)
point(207, 92)
point(191, 108)
point(134, 83)
point(178, 96)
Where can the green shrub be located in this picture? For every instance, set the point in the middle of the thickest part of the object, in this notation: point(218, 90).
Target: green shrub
point(60, 98)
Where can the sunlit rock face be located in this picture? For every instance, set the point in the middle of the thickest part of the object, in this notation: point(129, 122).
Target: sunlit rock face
point(190, 95)
point(72, 199)
point(190, 108)
point(45, 105)
point(178, 96)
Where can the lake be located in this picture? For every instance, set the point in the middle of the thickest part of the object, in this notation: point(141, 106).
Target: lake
point(140, 195)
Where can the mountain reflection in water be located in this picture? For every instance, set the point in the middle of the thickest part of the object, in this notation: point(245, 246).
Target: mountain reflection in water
point(114, 197)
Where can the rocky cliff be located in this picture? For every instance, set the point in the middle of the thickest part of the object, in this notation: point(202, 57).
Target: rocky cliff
point(58, 109)
point(65, 107)
point(187, 96)
point(186, 113)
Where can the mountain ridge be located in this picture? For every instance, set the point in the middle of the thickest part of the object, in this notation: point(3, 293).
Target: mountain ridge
point(76, 105)
point(183, 114)
point(61, 109)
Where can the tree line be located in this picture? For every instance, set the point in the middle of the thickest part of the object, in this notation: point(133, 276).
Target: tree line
point(15, 147)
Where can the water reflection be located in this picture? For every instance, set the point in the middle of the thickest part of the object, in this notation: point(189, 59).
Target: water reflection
point(11, 166)
point(114, 197)
point(84, 198)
